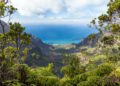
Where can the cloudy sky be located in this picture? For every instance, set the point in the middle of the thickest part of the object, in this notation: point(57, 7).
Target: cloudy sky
point(58, 11)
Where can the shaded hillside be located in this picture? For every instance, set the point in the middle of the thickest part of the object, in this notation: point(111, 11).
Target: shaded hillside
point(88, 41)
point(40, 53)
point(37, 56)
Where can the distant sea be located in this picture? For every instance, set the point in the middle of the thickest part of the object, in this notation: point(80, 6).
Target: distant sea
point(60, 34)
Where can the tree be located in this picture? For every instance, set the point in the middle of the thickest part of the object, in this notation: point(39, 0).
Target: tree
point(73, 66)
point(109, 25)
point(12, 45)
point(20, 39)
point(7, 72)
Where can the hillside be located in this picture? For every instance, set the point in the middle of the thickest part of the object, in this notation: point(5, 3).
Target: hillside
point(42, 54)
point(88, 42)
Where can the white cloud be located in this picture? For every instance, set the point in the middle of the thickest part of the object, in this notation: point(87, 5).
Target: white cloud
point(61, 9)
point(77, 5)
point(31, 7)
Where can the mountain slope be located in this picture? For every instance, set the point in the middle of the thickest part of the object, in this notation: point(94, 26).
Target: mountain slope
point(88, 42)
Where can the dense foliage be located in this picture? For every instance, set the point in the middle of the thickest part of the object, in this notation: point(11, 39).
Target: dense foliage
point(95, 66)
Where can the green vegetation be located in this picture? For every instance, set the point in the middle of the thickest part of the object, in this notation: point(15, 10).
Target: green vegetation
point(98, 66)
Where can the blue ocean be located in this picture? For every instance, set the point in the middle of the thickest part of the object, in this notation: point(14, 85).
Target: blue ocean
point(60, 34)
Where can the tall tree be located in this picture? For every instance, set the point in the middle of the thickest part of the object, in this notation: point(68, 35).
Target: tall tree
point(12, 45)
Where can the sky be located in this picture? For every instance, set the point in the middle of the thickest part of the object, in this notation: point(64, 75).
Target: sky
point(58, 11)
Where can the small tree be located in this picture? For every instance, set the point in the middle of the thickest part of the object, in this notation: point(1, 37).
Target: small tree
point(72, 67)
point(19, 39)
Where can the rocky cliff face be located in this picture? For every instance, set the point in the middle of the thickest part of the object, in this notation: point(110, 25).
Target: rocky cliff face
point(3, 24)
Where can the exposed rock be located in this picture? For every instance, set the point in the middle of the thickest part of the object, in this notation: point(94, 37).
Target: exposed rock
point(88, 42)
point(4, 25)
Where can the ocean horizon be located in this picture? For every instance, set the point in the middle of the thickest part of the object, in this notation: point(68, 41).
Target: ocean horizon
point(59, 34)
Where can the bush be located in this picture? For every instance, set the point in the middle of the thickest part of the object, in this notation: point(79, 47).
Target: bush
point(104, 69)
point(93, 80)
point(66, 81)
point(84, 83)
